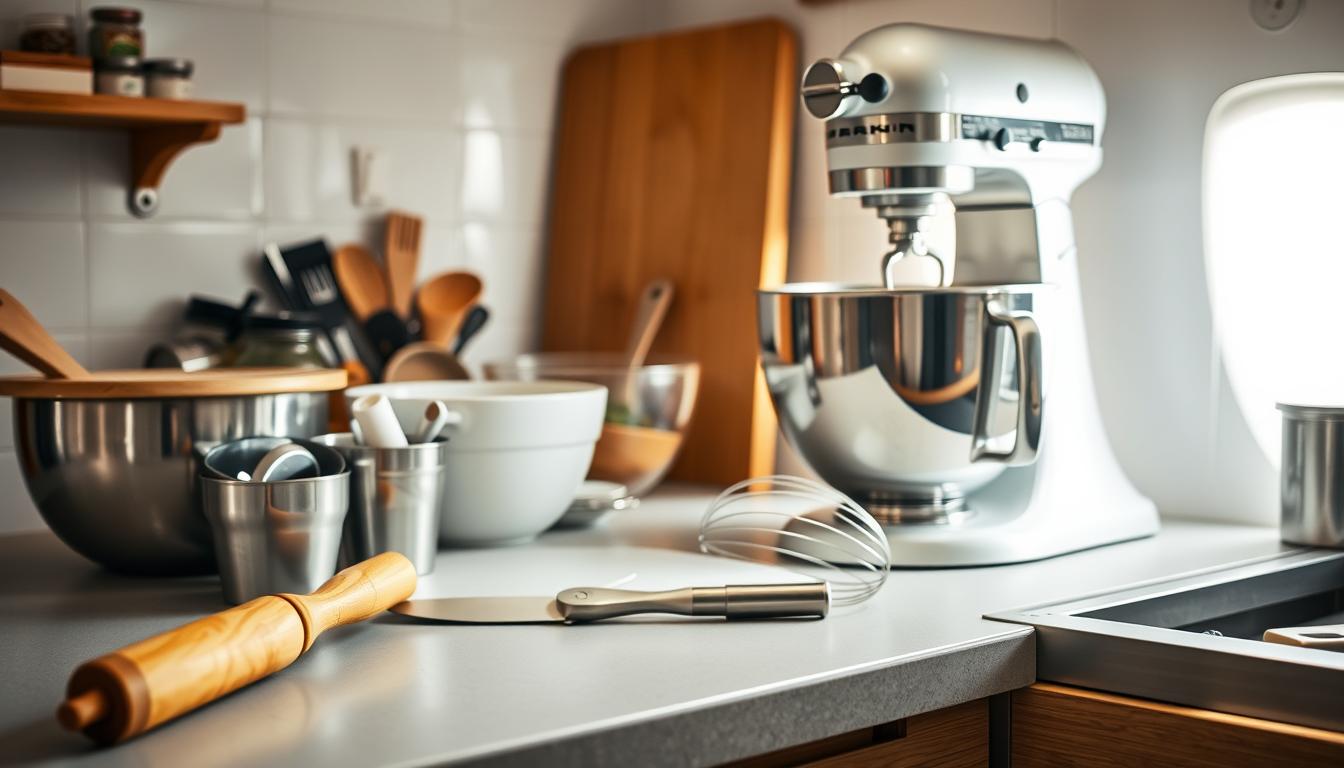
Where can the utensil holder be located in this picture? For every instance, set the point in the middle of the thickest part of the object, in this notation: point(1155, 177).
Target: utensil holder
point(274, 537)
point(395, 497)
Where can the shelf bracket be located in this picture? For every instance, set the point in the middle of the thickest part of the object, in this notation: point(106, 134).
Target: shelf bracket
point(152, 151)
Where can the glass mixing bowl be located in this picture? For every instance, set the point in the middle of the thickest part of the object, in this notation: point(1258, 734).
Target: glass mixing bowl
point(648, 408)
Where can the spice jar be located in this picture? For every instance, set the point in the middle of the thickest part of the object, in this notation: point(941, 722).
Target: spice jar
point(289, 339)
point(168, 78)
point(119, 76)
point(115, 32)
point(47, 33)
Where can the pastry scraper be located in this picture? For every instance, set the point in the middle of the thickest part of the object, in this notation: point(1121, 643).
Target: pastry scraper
point(581, 604)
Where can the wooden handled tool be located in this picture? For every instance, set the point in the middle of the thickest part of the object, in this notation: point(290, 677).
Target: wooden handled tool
point(25, 338)
point(127, 692)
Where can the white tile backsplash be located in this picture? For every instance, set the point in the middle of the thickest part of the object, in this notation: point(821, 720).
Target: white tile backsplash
point(349, 67)
point(141, 273)
point(509, 84)
point(226, 42)
point(308, 168)
point(42, 264)
point(41, 171)
point(433, 13)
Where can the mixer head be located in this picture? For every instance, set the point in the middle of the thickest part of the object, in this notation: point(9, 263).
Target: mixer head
point(917, 117)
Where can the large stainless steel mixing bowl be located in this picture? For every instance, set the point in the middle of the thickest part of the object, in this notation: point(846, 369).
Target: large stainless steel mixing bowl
point(906, 399)
point(116, 479)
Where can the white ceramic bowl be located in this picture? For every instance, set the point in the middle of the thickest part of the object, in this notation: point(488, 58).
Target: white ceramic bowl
point(517, 451)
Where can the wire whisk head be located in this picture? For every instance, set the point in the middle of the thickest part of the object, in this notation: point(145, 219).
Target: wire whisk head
point(805, 526)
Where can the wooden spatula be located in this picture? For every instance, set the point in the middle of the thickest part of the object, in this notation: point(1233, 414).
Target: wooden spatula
point(24, 337)
point(401, 253)
point(362, 284)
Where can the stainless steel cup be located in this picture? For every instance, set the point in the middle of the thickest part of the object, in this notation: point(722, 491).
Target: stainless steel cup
point(1312, 476)
point(907, 400)
point(274, 537)
point(395, 496)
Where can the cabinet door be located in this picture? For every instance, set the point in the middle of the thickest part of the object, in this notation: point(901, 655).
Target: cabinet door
point(1055, 725)
point(956, 737)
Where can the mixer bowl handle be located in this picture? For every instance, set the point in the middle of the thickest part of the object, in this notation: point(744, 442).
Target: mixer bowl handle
point(1027, 336)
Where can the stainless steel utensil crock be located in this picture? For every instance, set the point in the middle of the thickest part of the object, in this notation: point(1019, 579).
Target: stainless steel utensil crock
point(1312, 475)
point(274, 537)
point(116, 479)
point(395, 496)
point(906, 400)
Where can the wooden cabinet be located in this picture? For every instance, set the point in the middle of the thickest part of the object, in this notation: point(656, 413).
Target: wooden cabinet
point(956, 737)
point(1054, 725)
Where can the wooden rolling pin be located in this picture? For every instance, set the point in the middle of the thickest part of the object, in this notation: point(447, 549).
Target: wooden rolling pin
point(127, 692)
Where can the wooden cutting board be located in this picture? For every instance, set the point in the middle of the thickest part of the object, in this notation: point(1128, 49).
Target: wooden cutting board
point(673, 160)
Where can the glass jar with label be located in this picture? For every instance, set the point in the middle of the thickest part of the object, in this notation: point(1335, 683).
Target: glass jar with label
point(168, 78)
point(119, 76)
point(115, 32)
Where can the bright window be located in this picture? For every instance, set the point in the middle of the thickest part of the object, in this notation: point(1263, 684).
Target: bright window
point(1274, 243)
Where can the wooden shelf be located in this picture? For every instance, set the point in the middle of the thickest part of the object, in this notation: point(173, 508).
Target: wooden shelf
point(159, 129)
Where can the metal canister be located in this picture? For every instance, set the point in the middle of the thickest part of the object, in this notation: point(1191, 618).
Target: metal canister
point(1312, 475)
point(395, 496)
point(274, 537)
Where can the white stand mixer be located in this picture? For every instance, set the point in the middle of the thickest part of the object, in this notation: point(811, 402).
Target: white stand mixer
point(1004, 129)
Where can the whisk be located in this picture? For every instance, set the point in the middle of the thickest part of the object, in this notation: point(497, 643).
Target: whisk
point(810, 528)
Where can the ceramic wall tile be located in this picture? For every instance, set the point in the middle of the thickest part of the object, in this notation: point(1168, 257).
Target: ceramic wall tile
point(505, 176)
point(509, 262)
point(41, 172)
point(509, 84)
point(347, 67)
point(42, 265)
point(141, 273)
point(434, 13)
point(571, 21)
point(309, 168)
point(219, 180)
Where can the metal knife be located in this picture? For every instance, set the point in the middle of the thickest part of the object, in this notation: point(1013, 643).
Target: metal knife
point(582, 604)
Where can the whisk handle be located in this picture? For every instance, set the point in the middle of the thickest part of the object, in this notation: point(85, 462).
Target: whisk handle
point(743, 601)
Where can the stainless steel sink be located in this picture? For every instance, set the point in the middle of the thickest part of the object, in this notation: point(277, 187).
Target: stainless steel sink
point(1195, 640)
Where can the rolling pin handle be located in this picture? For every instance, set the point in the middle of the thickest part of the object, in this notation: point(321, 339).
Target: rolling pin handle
point(80, 712)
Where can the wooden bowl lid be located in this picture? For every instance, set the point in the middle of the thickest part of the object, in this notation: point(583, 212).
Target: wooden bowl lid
point(166, 382)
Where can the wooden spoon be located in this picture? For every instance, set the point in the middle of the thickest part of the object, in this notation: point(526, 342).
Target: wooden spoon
point(24, 337)
point(362, 285)
point(653, 305)
point(401, 252)
point(443, 301)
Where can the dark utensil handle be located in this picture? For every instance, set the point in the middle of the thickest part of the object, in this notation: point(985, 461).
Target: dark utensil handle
point(386, 332)
point(471, 325)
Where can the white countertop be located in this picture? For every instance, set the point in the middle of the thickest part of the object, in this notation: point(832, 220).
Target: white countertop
point(653, 691)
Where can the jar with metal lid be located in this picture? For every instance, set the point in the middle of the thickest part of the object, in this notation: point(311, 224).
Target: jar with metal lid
point(289, 339)
point(168, 78)
point(115, 32)
point(47, 33)
point(119, 76)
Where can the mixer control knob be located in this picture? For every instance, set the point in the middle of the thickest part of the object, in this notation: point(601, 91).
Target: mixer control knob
point(1002, 138)
point(826, 90)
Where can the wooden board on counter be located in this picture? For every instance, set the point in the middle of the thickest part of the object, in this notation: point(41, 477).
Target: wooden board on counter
point(1055, 725)
point(673, 160)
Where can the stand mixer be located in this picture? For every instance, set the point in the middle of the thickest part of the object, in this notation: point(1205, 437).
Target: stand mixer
point(954, 401)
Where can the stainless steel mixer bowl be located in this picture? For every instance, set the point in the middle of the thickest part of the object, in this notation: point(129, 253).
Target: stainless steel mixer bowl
point(905, 399)
point(116, 480)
